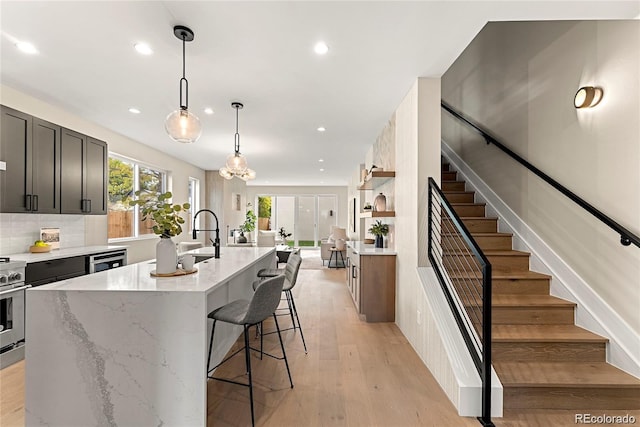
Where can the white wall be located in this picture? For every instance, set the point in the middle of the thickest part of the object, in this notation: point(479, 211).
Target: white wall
point(417, 158)
point(95, 226)
point(518, 80)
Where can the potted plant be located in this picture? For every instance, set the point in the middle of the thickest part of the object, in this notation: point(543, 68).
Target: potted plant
point(379, 230)
point(283, 235)
point(247, 226)
point(167, 224)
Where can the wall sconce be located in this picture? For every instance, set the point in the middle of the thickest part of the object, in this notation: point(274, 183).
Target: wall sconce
point(587, 97)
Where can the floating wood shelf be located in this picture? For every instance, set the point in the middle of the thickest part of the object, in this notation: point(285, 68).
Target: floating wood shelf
point(375, 214)
point(376, 179)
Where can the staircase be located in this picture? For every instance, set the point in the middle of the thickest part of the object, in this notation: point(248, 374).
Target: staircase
point(542, 358)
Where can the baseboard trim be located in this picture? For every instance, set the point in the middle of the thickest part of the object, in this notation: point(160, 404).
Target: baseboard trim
point(592, 313)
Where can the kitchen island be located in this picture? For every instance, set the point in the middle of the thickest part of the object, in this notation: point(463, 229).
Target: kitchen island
point(123, 348)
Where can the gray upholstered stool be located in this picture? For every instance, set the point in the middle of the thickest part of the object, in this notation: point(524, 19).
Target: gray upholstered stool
point(291, 276)
point(249, 313)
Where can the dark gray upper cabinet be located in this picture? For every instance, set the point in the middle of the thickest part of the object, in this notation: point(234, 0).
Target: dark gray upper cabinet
point(50, 169)
point(83, 185)
point(46, 167)
point(31, 149)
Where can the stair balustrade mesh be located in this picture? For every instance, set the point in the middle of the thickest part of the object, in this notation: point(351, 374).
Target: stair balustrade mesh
point(464, 274)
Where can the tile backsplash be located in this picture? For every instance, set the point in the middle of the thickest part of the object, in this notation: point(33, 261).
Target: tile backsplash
point(19, 231)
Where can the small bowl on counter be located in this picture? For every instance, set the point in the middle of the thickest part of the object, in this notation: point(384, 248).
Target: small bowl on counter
point(369, 241)
point(39, 249)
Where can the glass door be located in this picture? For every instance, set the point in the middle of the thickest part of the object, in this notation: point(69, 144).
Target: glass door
point(306, 221)
point(307, 217)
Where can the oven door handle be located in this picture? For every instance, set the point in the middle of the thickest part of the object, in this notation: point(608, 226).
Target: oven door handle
point(8, 291)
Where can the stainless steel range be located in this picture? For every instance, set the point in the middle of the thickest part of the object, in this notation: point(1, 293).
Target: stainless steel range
point(12, 313)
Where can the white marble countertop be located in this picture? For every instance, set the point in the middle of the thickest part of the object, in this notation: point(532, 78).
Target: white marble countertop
point(137, 277)
point(366, 249)
point(63, 253)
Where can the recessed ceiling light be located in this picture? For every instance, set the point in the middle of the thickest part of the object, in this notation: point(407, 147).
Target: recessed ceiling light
point(321, 129)
point(321, 48)
point(321, 170)
point(134, 110)
point(321, 160)
point(208, 110)
point(27, 47)
point(143, 48)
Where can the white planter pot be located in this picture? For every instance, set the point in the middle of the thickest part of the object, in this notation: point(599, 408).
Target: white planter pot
point(166, 256)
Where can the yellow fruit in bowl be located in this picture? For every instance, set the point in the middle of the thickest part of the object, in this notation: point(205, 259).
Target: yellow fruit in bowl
point(40, 243)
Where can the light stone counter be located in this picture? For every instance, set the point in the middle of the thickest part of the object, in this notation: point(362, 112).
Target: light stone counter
point(122, 348)
point(64, 253)
point(366, 249)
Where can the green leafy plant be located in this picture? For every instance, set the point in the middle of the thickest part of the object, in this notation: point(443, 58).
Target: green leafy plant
point(166, 216)
point(283, 234)
point(379, 229)
point(249, 223)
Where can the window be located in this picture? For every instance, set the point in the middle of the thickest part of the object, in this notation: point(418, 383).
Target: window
point(194, 201)
point(127, 176)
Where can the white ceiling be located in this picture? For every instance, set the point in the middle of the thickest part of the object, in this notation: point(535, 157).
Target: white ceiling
point(259, 53)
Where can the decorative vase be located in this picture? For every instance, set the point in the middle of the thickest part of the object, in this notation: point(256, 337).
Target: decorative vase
point(166, 256)
point(242, 238)
point(380, 203)
point(379, 242)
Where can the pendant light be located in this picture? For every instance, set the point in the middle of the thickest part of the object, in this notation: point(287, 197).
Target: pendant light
point(182, 125)
point(236, 163)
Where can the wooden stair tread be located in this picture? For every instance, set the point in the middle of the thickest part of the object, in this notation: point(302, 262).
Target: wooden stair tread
point(454, 204)
point(524, 301)
point(543, 333)
point(480, 234)
point(506, 275)
point(564, 374)
point(489, 252)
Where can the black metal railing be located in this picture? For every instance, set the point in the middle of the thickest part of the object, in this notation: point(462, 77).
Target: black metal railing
point(464, 274)
point(626, 236)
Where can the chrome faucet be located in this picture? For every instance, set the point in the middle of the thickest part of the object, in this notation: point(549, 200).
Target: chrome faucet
point(216, 242)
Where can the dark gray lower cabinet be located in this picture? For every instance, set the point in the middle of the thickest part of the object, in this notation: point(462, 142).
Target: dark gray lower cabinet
point(43, 272)
point(83, 185)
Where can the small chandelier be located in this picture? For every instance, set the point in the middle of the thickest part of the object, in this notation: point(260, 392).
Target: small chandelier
point(236, 163)
point(181, 125)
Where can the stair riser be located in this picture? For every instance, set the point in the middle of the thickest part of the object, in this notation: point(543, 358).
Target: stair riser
point(481, 225)
point(485, 242)
point(578, 397)
point(532, 316)
point(501, 263)
point(521, 286)
point(469, 210)
point(460, 197)
point(548, 352)
point(508, 287)
point(452, 186)
point(448, 175)
point(444, 167)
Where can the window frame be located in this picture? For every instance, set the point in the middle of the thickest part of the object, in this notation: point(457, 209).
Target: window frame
point(136, 186)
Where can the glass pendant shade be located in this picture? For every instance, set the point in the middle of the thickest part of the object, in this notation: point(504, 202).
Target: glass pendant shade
point(183, 126)
point(225, 173)
point(236, 163)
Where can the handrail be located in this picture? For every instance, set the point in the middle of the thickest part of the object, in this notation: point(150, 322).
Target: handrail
point(482, 361)
point(626, 236)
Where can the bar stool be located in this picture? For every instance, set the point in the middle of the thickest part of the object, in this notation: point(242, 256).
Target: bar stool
point(291, 277)
point(336, 251)
point(263, 304)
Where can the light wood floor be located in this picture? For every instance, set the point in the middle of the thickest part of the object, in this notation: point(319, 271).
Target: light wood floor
point(355, 374)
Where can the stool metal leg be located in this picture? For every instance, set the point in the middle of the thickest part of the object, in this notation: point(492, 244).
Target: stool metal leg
point(248, 362)
point(284, 354)
point(288, 296)
point(295, 311)
point(213, 329)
